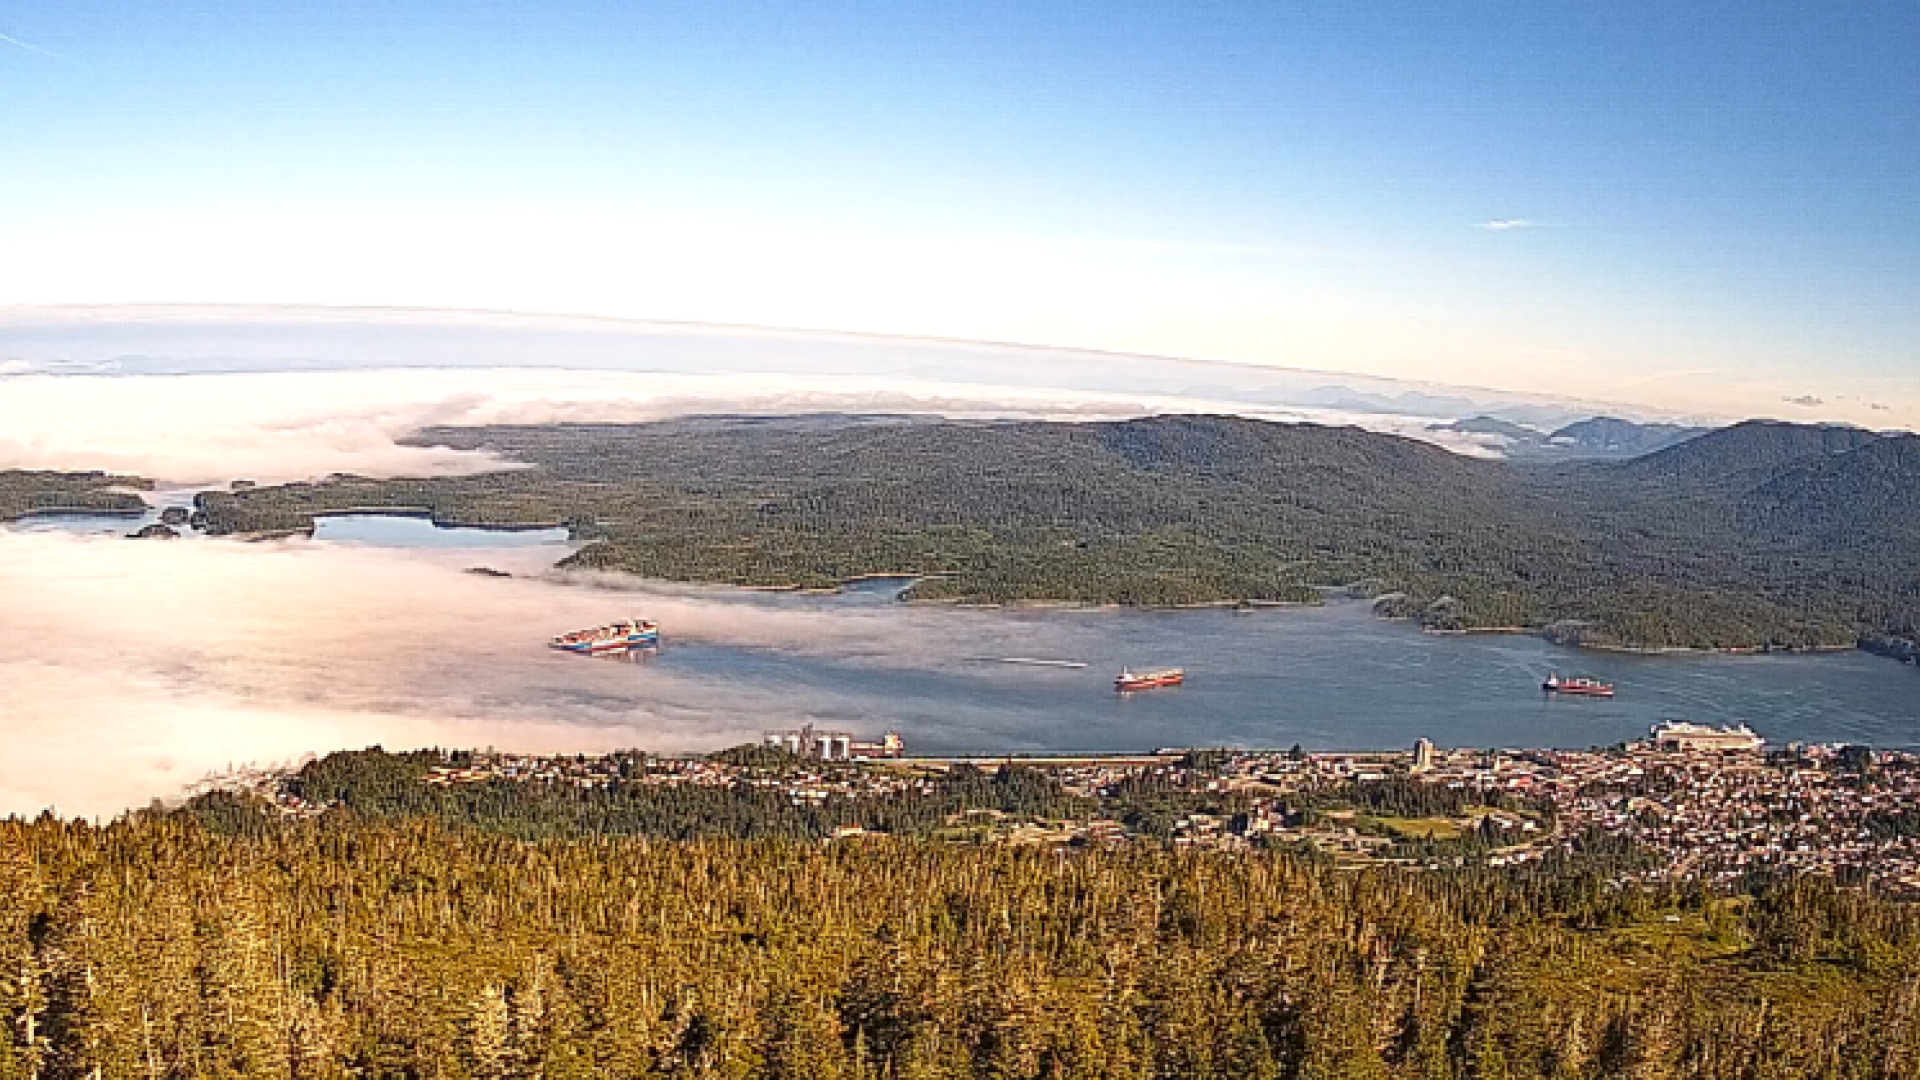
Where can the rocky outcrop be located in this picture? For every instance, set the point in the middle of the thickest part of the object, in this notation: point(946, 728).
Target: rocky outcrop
point(1905, 650)
point(154, 532)
point(1445, 613)
point(1395, 605)
point(1572, 632)
point(174, 516)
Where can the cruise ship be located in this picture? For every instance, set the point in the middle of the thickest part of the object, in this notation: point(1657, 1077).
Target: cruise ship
point(1678, 735)
point(613, 637)
point(1148, 680)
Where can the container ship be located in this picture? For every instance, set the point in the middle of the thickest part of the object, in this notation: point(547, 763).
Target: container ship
point(613, 637)
point(1148, 680)
point(1578, 687)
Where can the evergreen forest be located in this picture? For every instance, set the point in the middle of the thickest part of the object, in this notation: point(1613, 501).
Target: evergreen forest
point(161, 946)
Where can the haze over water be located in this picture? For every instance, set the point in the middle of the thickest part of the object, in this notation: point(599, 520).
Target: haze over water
point(140, 665)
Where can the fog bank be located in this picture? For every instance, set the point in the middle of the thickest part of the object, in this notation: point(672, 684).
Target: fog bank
point(283, 426)
point(133, 668)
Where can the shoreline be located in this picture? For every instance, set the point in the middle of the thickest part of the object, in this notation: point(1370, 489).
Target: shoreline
point(1727, 650)
point(1239, 604)
point(1107, 605)
point(77, 511)
point(1641, 650)
point(418, 513)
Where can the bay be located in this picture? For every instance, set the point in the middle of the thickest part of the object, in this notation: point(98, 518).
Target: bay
point(377, 626)
point(1333, 677)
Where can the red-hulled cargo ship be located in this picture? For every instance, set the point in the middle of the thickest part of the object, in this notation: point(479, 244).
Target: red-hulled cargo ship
point(1577, 687)
point(1148, 680)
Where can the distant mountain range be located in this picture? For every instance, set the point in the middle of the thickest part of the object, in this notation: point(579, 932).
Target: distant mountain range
point(1487, 406)
point(1606, 436)
point(1597, 437)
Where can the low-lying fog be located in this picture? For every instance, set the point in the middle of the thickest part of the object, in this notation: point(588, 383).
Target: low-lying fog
point(132, 667)
point(270, 427)
point(207, 395)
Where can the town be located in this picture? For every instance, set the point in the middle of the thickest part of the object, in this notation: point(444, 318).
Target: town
point(1685, 804)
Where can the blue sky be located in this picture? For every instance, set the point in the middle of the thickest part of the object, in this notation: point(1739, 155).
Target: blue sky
point(1714, 200)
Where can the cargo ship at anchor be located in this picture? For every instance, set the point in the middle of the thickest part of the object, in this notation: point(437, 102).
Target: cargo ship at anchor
point(1128, 681)
point(1577, 687)
point(613, 637)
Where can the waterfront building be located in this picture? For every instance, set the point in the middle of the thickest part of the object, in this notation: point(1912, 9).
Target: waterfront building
point(889, 746)
point(1422, 755)
point(812, 742)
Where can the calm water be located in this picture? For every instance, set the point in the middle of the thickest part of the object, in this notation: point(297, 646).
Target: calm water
point(369, 530)
point(84, 524)
point(1325, 678)
point(1331, 677)
point(404, 531)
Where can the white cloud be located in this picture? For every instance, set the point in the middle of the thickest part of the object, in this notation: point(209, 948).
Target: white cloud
point(1507, 224)
point(18, 44)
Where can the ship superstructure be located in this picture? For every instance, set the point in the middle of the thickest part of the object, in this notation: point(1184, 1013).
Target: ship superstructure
point(1678, 735)
point(619, 636)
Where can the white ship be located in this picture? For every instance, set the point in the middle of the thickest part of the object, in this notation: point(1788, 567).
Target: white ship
point(1680, 735)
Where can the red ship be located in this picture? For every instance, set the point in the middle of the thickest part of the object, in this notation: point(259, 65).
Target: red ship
point(1580, 687)
point(1148, 680)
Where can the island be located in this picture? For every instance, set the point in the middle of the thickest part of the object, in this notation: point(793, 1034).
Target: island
point(28, 492)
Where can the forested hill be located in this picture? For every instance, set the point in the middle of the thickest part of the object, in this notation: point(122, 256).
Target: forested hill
point(1663, 551)
point(1869, 496)
point(1755, 447)
point(30, 491)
